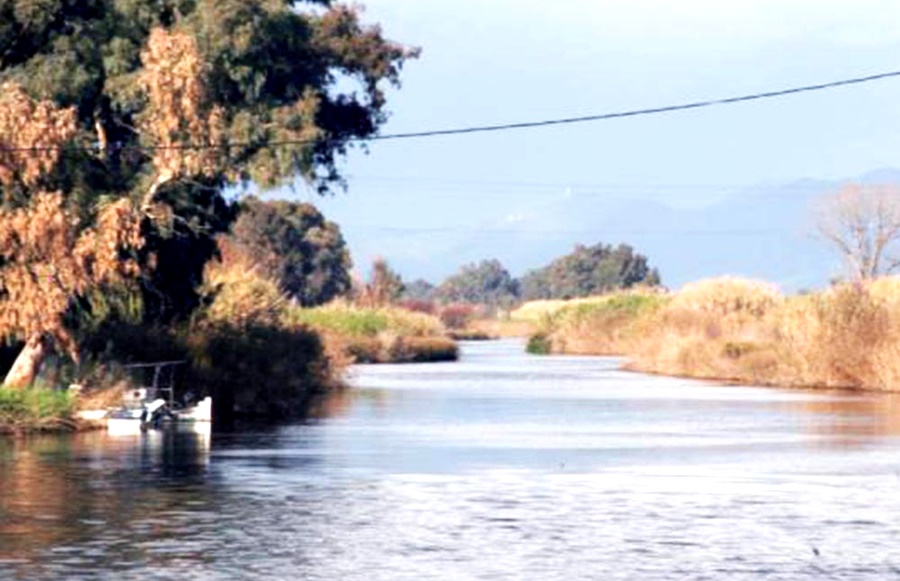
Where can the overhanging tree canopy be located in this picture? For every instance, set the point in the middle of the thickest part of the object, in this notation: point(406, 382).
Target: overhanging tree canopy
point(154, 106)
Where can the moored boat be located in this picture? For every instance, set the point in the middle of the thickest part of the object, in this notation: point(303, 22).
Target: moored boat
point(154, 407)
point(147, 413)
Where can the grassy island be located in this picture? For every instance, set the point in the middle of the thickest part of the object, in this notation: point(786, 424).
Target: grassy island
point(379, 334)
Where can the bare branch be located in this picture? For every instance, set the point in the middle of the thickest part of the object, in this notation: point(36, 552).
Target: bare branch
point(863, 224)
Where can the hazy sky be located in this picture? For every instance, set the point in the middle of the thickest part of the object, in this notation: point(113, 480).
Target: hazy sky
point(496, 61)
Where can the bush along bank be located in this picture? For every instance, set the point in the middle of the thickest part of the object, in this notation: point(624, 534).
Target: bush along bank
point(36, 409)
point(846, 337)
point(240, 347)
point(256, 354)
point(256, 361)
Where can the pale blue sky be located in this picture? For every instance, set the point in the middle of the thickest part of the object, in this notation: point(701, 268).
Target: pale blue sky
point(496, 61)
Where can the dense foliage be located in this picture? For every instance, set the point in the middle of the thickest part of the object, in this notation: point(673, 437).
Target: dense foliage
point(486, 283)
point(589, 270)
point(294, 245)
point(122, 121)
point(242, 73)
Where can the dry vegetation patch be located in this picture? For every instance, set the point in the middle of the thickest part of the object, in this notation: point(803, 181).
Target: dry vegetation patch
point(384, 334)
point(743, 330)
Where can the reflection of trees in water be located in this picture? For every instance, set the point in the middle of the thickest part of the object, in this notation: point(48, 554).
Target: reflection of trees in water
point(333, 404)
point(337, 403)
point(852, 417)
point(57, 491)
point(33, 496)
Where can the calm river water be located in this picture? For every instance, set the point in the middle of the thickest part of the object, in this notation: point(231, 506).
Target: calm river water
point(501, 466)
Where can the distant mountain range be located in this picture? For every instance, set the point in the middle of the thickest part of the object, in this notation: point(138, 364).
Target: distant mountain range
point(763, 232)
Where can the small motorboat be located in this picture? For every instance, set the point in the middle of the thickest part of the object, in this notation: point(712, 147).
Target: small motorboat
point(154, 406)
point(143, 410)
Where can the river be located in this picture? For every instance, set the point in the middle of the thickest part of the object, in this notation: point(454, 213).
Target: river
point(499, 466)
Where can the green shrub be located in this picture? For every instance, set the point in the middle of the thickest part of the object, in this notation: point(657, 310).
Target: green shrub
point(258, 370)
point(538, 344)
point(379, 334)
point(33, 408)
point(423, 350)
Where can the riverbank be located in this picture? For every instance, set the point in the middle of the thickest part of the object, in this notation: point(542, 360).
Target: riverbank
point(268, 365)
point(36, 410)
point(380, 334)
point(847, 337)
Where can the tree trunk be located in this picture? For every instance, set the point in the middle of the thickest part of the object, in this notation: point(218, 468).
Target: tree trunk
point(27, 364)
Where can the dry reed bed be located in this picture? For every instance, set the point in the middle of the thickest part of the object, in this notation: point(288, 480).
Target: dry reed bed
point(744, 330)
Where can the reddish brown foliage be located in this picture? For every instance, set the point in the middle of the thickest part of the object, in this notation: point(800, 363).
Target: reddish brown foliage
point(178, 113)
point(457, 315)
point(47, 260)
point(32, 134)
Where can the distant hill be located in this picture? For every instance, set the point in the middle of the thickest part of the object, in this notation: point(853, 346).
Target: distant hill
point(765, 231)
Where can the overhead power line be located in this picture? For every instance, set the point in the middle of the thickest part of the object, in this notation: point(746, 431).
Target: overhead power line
point(641, 112)
point(508, 126)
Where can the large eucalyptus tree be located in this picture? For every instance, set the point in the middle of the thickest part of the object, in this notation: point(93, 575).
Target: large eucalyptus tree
point(122, 122)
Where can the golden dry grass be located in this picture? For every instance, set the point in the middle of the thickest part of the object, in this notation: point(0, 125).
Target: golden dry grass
point(604, 325)
point(537, 311)
point(743, 330)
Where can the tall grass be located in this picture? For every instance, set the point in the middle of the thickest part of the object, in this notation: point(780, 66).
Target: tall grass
point(355, 321)
point(540, 311)
point(34, 409)
point(728, 328)
point(604, 325)
point(379, 334)
point(718, 328)
point(502, 327)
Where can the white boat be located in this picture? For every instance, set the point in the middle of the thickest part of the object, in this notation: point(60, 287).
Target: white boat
point(154, 407)
point(157, 413)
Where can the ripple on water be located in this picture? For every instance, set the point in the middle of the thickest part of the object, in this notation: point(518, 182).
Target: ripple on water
point(501, 466)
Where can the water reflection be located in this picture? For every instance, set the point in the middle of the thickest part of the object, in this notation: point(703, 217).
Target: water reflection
point(850, 418)
point(57, 491)
point(501, 466)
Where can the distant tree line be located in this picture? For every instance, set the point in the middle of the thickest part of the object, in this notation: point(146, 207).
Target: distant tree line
point(587, 270)
point(293, 244)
